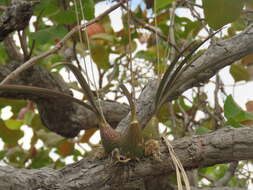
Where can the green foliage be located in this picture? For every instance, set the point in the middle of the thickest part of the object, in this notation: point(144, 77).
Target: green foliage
point(221, 12)
point(239, 72)
point(48, 34)
point(162, 3)
point(234, 113)
point(11, 135)
point(89, 9)
point(188, 115)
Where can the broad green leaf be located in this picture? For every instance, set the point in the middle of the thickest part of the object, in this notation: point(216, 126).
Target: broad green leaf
point(88, 9)
point(214, 172)
point(159, 4)
point(100, 56)
point(9, 136)
point(234, 113)
point(239, 73)
point(51, 33)
point(221, 12)
point(13, 124)
point(65, 17)
point(231, 108)
point(46, 7)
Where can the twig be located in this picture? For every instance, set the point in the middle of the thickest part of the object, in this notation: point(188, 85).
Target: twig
point(150, 28)
point(23, 43)
point(171, 35)
point(217, 108)
point(59, 45)
point(3, 8)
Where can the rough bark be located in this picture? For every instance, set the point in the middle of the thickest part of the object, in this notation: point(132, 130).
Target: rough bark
point(15, 17)
point(222, 146)
point(218, 55)
point(67, 119)
point(64, 118)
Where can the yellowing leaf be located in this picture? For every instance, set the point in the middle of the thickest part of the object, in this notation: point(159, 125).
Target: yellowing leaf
point(247, 59)
point(66, 148)
point(100, 56)
point(239, 73)
point(87, 135)
point(249, 106)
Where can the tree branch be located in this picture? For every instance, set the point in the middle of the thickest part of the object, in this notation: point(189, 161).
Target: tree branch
point(64, 118)
point(15, 17)
point(28, 64)
point(222, 146)
point(217, 56)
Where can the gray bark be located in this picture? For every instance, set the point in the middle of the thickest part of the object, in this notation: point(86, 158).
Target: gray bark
point(15, 17)
point(218, 55)
point(222, 146)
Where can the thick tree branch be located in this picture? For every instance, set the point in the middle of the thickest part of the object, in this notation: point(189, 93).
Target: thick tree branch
point(217, 56)
point(222, 146)
point(65, 118)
